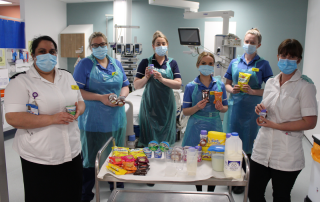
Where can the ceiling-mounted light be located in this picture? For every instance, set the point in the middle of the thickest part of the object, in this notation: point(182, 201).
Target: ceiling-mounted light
point(5, 2)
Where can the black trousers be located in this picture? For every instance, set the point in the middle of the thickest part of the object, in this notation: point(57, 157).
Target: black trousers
point(210, 188)
point(52, 183)
point(282, 183)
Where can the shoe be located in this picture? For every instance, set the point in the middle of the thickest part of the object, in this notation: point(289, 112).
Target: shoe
point(150, 185)
point(238, 190)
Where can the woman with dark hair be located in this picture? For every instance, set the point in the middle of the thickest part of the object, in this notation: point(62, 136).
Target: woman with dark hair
point(48, 138)
point(290, 101)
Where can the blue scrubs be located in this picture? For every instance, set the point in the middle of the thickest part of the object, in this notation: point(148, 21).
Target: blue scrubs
point(95, 127)
point(241, 116)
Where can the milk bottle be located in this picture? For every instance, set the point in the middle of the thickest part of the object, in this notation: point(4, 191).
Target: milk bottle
point(233, 156)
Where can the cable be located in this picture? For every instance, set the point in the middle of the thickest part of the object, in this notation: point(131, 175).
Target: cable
point(217, 54)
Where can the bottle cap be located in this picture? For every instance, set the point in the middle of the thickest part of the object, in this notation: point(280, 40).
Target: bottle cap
point(228, 135)
point(204, 132)
point(264, 110)
point(199, 148)
point(151, 65)
point(234, 134)
point(217, 148)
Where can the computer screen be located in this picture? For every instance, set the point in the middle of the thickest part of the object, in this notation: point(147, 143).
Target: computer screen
point(189, 36)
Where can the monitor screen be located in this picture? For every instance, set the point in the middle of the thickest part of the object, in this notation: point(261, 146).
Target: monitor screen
point(189, 36)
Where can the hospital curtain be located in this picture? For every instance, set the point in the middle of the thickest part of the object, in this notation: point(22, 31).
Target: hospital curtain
point(12, 34)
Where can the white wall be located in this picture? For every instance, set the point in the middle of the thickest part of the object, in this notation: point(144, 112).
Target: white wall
point(45, 17)
point(311, 66)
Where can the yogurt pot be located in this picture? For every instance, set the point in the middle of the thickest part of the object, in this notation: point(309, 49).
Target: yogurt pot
point(71, 109)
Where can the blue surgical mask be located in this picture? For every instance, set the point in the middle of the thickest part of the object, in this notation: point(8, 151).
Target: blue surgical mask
point(161, 50)
point(46, 62)
point(100, 52)
point(287, 66)
point(249, 49)
point(206, 70)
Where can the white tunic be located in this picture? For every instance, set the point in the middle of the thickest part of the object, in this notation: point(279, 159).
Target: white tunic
point(296, 98)
point(50, 145)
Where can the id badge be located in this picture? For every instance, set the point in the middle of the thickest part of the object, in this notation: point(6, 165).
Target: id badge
point(32, 109)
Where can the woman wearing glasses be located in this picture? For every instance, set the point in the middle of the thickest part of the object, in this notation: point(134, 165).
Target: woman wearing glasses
point(98, 76)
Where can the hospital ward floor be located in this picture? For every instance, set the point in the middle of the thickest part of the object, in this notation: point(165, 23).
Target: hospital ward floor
point(16, 190)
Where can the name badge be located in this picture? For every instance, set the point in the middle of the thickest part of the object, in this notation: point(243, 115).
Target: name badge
point(114, 73)
point(74, 87)
point(255, 69)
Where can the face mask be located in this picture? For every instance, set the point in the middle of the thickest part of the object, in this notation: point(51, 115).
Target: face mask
point(100, 52)
point(287, 66)
point(46, 62)
point(249, 49)
point(206, 70)
point(161, 50)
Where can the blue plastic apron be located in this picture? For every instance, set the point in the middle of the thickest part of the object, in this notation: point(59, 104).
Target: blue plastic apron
point(157, 116)
point(241, 116)
point(206, 119)
point(104, 120)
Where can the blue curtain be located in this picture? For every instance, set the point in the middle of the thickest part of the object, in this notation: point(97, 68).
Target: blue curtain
point(12, 34)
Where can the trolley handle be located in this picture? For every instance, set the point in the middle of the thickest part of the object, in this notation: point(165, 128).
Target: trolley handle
point(98, 157)
point(246, 176)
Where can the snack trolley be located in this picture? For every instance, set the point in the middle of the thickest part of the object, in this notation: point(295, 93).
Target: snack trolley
point(160, 195)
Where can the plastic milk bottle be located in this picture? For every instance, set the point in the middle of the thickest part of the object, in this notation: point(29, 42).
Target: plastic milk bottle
point(233, 156)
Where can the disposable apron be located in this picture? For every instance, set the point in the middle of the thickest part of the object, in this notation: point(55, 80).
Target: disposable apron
point(241, 116)
point(206, 119)
point(99, 122)
point(157, 116)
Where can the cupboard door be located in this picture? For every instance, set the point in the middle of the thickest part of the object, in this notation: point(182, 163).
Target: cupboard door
point(70, 43)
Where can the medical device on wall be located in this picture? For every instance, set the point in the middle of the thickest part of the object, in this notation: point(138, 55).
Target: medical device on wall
point(137, 49)
point(129, 49)
point(224, 51)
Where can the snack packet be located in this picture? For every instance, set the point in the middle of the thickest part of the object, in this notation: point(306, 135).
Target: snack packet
point(116, 169)
point(128, 158)
point(243, 79)
point(142, 160)
point(137, 153)
point(116, 160)
point(129, 166)
point(120, 151)
point(217, 96)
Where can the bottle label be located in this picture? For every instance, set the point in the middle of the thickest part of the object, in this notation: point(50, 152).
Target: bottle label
point(233, 166)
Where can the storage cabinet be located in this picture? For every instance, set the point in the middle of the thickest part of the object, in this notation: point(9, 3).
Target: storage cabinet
point(70, 43)
point(74, 41)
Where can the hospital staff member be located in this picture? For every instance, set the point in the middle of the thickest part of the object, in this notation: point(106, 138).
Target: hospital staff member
point(240, 116)
point(290, 101)
point(48, 138)
point(98, 76)
point(157, 116)
point(204, 114)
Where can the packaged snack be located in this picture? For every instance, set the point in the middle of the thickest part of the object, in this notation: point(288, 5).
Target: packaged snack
point(176, 154)
point(129, 166)
point(142, 160)
point(148, 152)
point(140, 172)
point(184, 154)
point(137, 153)
point(199, 148)
point(164, 146)
point(216, 138)
point(158, 154)
point(120, 151)
point(153, 145)
point(217, 96)
point(143, 166)
point(205, 94)
point(128, 158)
point(113, 98)
point(243, 79)
point(116, 172)
point(116, 160)
point(206, 155)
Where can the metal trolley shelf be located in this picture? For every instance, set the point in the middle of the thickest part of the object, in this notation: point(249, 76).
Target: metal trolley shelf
point(146, 195)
